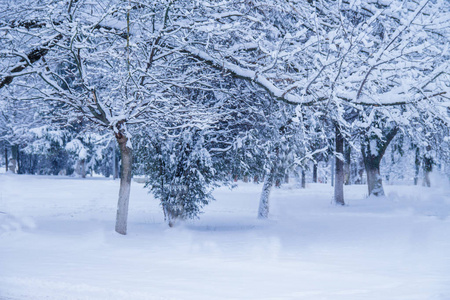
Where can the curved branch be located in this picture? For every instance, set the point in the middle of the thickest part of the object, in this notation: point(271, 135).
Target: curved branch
point(32, 57)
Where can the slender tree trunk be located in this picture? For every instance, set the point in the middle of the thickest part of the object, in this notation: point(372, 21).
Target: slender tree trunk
point(428, 163)
point(263, 210)
point(426, 179)
point(6, 158)
point(417, 166)
point(339, 182)
point(347, 162)
point(19, 162)
point(168, 215)
point(303, 179)
point(315, 173)
point(83, 168)
point(125, 184)
point(360, 169)
point(14, 157)
point(333, 165)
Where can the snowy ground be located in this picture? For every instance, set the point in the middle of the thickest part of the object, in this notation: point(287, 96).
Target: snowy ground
point(57, 242)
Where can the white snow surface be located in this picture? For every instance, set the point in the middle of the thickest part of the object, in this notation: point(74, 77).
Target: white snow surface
point(57, 242)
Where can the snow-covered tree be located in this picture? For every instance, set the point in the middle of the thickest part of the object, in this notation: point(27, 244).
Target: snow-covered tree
point(103, 62)
point(369, 68)
point(331, 56)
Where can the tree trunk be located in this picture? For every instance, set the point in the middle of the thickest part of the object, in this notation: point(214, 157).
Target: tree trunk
point(6, 158)
point(315, 173)
point(373, 152)
point(339, 177)
point(374, 181)
point(19, 162)
point(333, 165)
point(83, 168)
point(125, 184)
point(426, 179)
point(303, 179)
point(347, 162)
point(263, 210)
point(428, 163)
point(360, 169)
point(174, 209)
point(14, 157)
point(417, 166)
point(169, 216)
point(372, 167)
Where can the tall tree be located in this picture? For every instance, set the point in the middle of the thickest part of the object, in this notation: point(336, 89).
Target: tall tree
point(102, 62)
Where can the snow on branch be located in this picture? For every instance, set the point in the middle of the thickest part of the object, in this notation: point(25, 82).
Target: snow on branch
point(253, 76)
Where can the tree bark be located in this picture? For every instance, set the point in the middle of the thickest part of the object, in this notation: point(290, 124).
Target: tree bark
point(83, 168)
point(125, 184)
point(372, 159)
point(417, 166)
point(303, 179)
point(315, 173)
point(426, 179)
point(333, 165)
point(339, 177)
point(19, 162)
point(115, 163)
point(347, 163)
point(428, 163)
point(14, 157)
point(374, 181)
point(263, 210)
point(360, 170)
point(6, 158)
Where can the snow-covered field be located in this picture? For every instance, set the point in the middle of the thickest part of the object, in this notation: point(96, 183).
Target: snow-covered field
point(57, 242)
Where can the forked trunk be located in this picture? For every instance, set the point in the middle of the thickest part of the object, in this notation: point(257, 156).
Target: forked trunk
point(372, 152)
point(339, 177)
point(125, 184)
point(263, 210)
